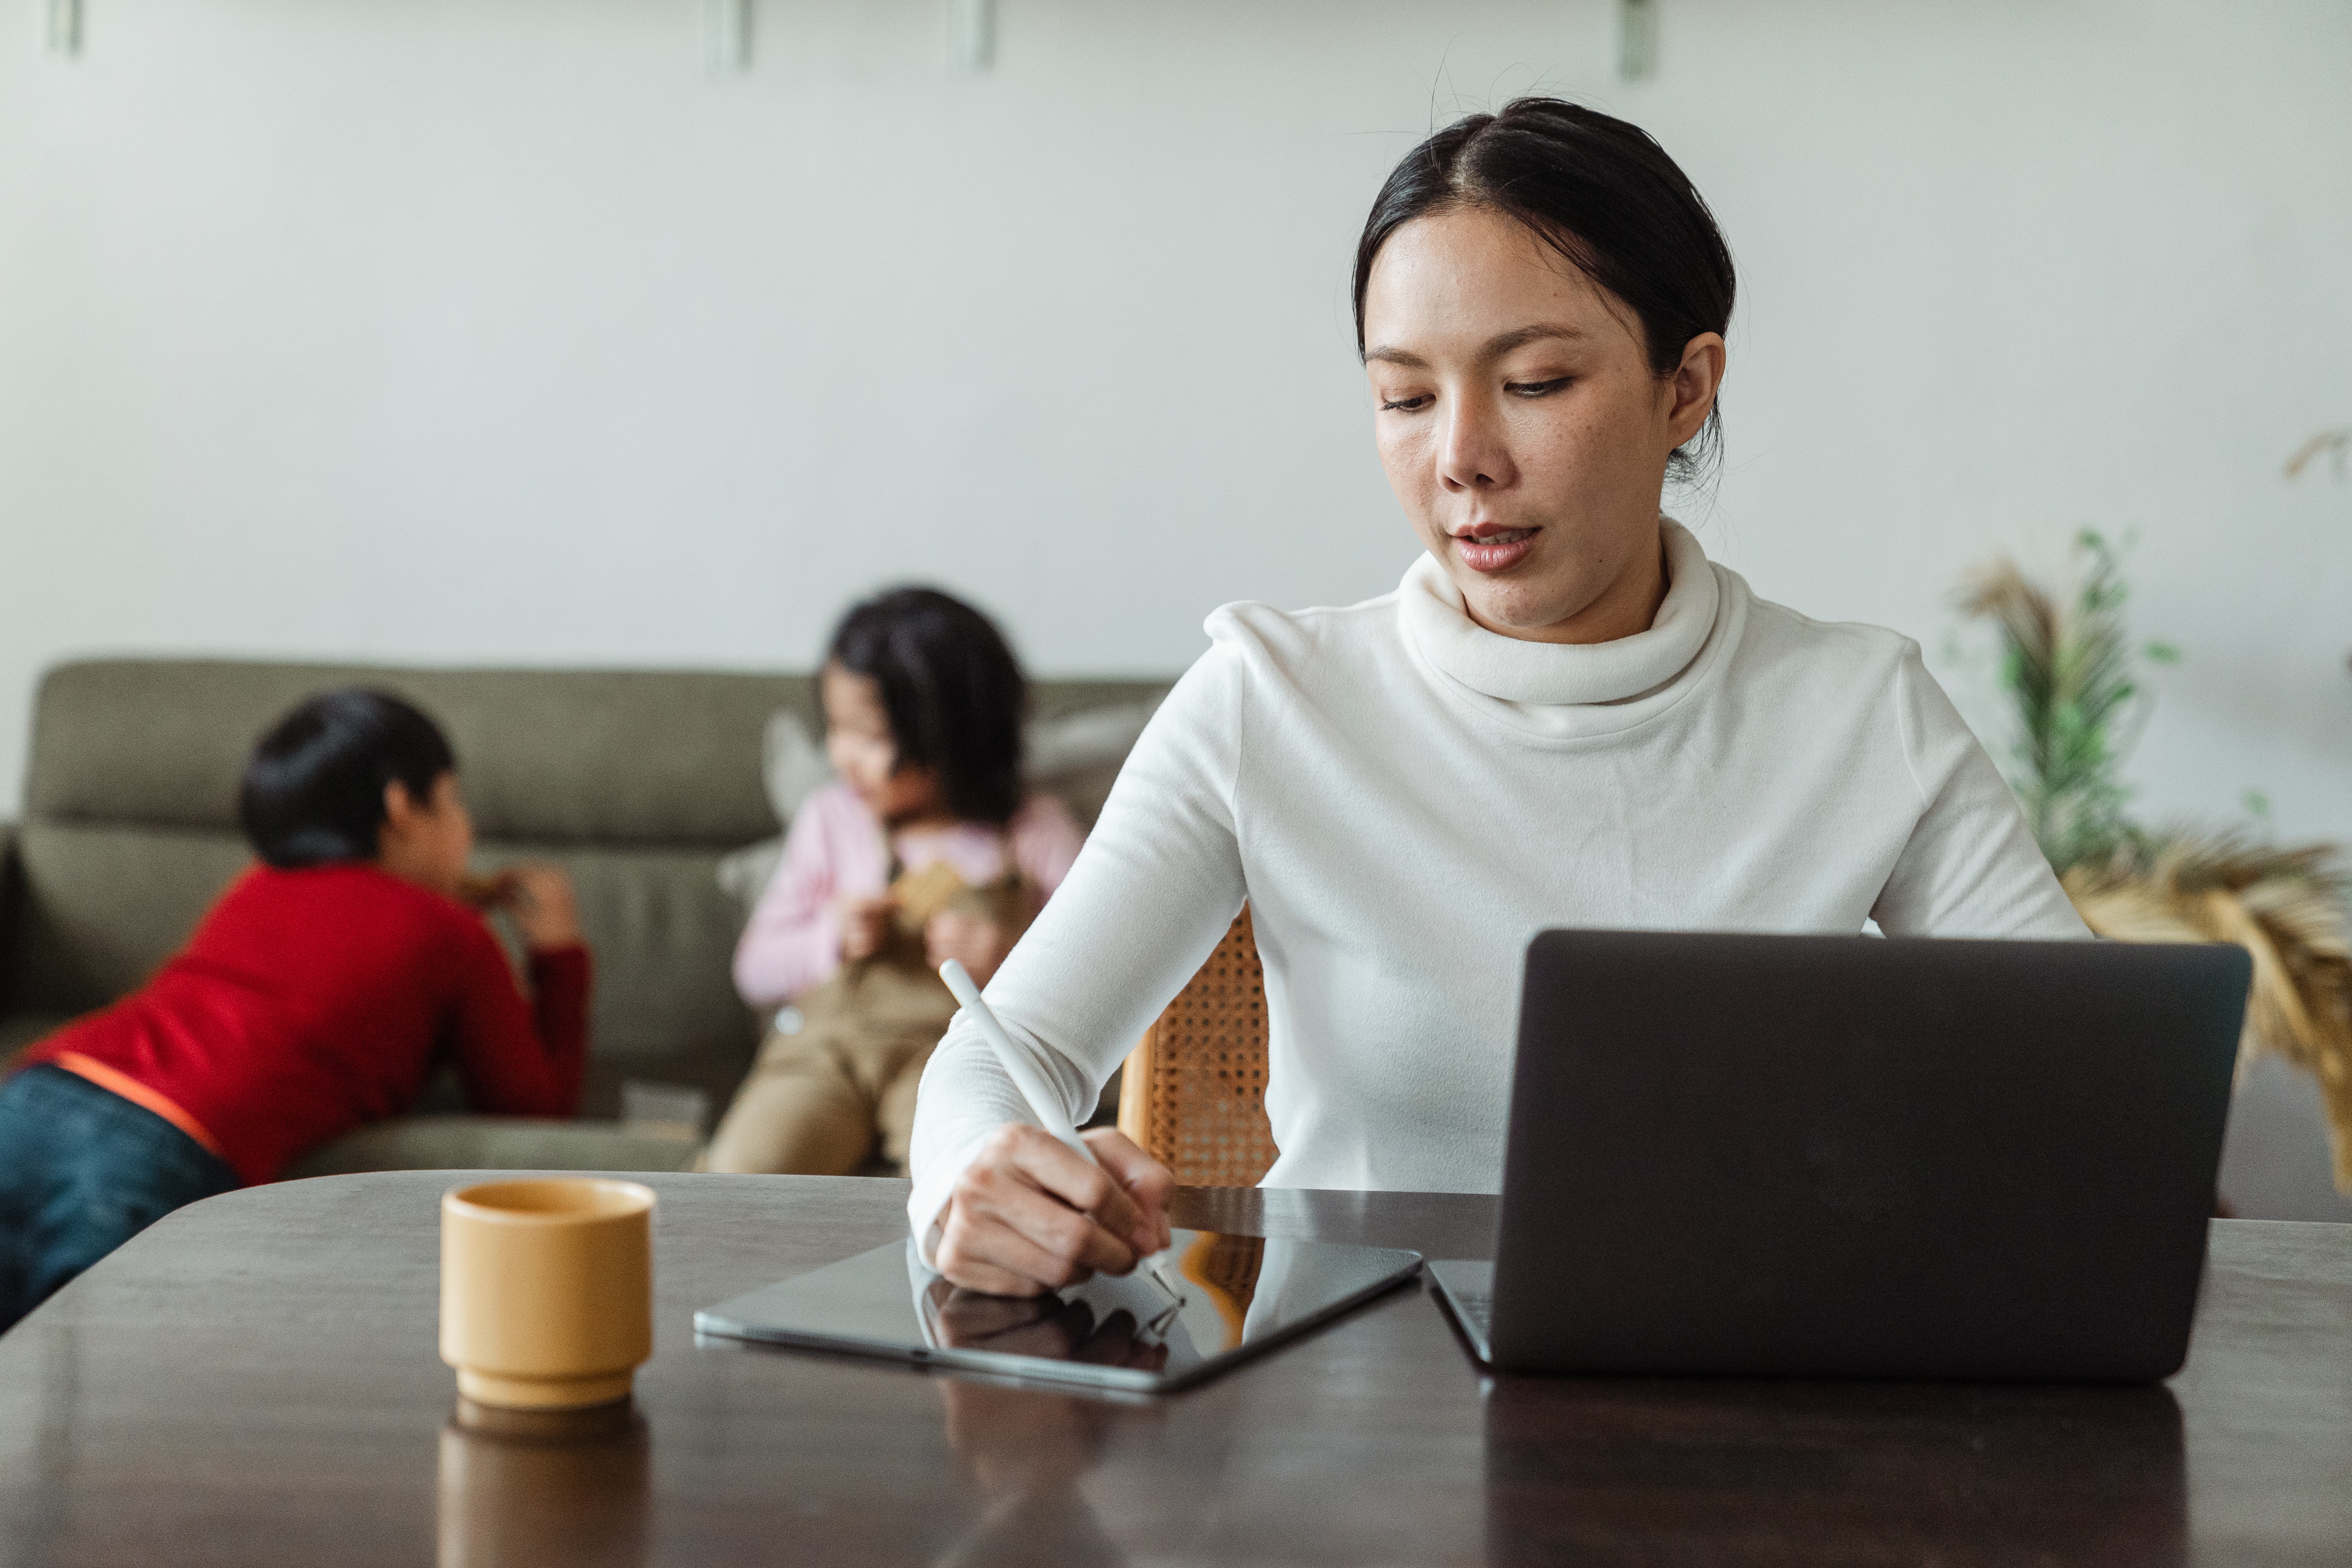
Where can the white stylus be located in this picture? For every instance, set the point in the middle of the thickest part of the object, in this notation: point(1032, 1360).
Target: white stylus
point(1044, 1103)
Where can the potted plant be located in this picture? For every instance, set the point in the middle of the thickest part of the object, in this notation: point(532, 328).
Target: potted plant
point(2071, 676)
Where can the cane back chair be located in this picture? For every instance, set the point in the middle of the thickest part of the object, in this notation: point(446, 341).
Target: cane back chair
point(1194, 1093)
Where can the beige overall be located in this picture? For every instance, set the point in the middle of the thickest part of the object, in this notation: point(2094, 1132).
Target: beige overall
point(816, 1100)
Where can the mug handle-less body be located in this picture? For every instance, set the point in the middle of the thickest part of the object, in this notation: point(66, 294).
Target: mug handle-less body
point(547, 1290)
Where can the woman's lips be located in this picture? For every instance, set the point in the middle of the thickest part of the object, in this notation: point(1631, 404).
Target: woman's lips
point(1498, 550)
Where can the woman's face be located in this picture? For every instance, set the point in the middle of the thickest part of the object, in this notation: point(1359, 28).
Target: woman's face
point(865, 754)
point(1522, 428)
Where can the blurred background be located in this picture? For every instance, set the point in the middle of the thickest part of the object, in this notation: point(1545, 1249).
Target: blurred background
point(513, 332)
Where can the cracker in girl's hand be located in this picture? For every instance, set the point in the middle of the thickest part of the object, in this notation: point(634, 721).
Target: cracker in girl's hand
point(921, 894)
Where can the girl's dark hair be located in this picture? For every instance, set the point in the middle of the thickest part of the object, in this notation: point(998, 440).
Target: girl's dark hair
point(953, 691)
point(313, 791)
point(1604, 195)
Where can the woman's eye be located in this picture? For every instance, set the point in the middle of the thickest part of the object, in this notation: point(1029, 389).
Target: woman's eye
point(1403, 404)
point(1536, 388)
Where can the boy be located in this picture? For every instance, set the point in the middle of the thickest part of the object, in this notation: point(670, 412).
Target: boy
point(316, 996)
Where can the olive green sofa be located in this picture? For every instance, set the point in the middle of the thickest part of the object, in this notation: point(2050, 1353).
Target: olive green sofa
point(638, 781)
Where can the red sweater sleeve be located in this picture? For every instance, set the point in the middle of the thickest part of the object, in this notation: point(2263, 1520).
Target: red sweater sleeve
point(520, 1059)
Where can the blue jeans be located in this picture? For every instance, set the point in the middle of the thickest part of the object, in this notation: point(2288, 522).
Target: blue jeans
point(81, 1172)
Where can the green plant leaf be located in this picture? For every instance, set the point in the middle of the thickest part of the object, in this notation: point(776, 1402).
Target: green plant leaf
point(2070, 671)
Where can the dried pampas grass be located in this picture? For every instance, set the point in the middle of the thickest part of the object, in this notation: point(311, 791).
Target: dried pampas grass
point(2070, 671)
point(2286, 907)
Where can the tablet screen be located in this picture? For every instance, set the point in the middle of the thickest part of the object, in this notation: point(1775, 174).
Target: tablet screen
point(1219, 1298)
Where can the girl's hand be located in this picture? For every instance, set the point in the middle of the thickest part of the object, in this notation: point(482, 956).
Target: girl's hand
point(1029, 1216)
point(864, 926)
point(975, 941)
point(539, 899)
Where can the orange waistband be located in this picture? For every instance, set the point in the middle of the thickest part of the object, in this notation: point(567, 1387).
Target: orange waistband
point(117, 1082)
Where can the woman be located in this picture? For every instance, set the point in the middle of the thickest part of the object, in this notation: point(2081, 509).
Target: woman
point(1564, 716)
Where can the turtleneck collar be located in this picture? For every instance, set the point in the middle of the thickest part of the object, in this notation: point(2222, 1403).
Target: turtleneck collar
point(1553, 675)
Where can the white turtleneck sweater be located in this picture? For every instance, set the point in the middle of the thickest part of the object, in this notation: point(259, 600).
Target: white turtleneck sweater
point(1404, 799)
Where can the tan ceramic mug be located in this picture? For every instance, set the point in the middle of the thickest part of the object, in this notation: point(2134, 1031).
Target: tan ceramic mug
point(547, 1290)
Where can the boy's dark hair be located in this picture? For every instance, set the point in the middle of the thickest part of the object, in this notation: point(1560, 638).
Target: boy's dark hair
point(952, 689)
point(313, 791)
point(1601, 192)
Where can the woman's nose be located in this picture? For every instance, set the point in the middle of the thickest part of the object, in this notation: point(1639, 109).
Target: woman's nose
point(1474, 454)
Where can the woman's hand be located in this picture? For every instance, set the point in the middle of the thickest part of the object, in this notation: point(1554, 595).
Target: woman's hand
point(975, 941)
point(864, 925)
point(536, 896)
point(1029, 1214)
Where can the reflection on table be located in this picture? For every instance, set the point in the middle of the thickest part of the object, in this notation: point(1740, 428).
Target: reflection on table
point(521, 1488)
point(1024, 1450)
point(1599, 1471)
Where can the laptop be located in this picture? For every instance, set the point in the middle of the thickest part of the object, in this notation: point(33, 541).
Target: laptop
point(1856, 1157)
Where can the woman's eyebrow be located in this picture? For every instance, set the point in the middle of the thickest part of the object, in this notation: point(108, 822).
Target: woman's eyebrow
point(1497, 347)
point(1494, 347)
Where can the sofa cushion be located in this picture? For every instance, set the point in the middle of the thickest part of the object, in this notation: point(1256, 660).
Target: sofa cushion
point(493, 1143)
point(664, 1007)
point(563, 756)
point(105, 903)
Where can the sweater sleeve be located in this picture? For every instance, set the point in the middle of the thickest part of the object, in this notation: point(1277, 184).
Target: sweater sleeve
point(793, 939)
point(518, 1057)
point(1971, 868)
point(1146, 902)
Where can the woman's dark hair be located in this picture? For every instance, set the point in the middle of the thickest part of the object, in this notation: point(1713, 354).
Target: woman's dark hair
point(1604, 195)
point(953, 691)
point(314, 789)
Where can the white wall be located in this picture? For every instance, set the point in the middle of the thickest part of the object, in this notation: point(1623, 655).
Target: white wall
point(493, 330)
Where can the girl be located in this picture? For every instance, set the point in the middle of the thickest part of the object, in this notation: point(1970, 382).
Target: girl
point(1565, 715)
point(317, 995)
point(925, 848)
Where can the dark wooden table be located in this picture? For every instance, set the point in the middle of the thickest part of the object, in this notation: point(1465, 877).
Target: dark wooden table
point(253, 1382)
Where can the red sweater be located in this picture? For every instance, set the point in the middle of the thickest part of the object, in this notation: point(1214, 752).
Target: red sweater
point(315, 1001)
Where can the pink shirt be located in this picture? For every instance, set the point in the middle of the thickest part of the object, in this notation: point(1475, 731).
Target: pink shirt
point(835, 850)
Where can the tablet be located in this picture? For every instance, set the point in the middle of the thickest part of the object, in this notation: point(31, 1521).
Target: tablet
point(1225, 1299)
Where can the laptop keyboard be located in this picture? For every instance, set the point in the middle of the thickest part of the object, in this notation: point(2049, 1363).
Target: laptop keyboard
point(1477, 1309)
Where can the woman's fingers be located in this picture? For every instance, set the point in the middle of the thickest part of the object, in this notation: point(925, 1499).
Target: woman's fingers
point(1030, 1208)
point(990, 1243)
point(969, 1254)
point(1092, 1191)
point(1147, 1181)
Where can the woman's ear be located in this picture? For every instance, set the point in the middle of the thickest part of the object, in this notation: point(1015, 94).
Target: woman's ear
point(1695, 381)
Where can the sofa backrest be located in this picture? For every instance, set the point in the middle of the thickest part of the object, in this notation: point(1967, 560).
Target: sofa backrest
point(638, 781)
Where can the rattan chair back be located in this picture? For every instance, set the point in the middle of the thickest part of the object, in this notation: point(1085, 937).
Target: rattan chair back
point(1194, 1090)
